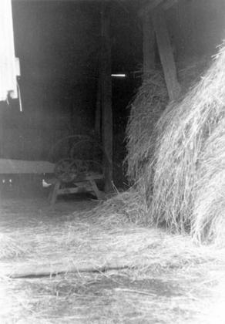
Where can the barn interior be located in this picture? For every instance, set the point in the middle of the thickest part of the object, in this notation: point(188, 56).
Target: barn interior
point(59, 45)
point(111, 163)
point(64, 68)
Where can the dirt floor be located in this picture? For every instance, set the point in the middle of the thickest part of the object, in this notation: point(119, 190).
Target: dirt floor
point(59, 264)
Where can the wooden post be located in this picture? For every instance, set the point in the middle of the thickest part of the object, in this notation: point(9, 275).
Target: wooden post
point(148, 45)
point(98, 109)
point(166, 53)
point(106, 94)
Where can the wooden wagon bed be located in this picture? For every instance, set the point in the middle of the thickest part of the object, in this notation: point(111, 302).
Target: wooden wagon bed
point(9, 166)
point(83, 183)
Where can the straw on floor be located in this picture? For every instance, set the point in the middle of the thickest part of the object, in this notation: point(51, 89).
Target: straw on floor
point(132, 274)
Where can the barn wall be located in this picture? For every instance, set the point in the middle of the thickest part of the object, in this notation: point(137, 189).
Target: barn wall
point(30, 136)
point(59, 74)
point(196, 27)
point(57, 77)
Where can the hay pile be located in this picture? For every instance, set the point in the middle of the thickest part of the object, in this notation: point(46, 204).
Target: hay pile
point(190, 71)
point(178, 150)
point(209, 204)
point(188, 181)
point(128, 207)
point(146, 109)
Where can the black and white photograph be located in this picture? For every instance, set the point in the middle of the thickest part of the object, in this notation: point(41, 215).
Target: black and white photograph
point(112, 161)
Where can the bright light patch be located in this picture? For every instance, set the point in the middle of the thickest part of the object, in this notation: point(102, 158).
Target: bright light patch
point(119, 75)
point(7, 52)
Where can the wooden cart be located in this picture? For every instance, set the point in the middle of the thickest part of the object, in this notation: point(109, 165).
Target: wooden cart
point(76, 176)
point(80, 168)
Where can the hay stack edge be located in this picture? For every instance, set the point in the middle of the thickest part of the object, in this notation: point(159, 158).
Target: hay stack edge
point(179, 162)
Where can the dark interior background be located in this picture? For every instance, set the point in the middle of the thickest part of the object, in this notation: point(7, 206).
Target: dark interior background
point(58, 44)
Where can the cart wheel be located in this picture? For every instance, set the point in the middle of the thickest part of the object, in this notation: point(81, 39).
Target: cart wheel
point(66, 170)
point(82, 166)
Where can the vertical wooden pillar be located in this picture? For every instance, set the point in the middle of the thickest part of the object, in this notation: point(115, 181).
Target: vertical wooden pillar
point(106, 93)
point(98, 109)
point(166, 53)
point(148, 45)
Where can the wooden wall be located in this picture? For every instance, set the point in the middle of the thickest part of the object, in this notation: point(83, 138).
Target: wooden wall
point(196, 27)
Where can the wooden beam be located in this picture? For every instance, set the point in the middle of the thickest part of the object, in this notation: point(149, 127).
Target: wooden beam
point(148, 45)
point(98, 114)
point(106, 94)
point(166, 54)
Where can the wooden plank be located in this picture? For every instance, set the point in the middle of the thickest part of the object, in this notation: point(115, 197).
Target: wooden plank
point(106, 94)
point(49, 269)
point(88, 177)
point(166, 54)
point(10, 166)
point(74, 190)
point(82, 187)
point(148, 45)
point(99, 194)
point(54, 193)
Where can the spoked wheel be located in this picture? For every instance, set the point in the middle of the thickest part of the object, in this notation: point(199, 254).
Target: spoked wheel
point(62, 148)
point(88, 167)
point(78, 155)
point(92, 153)
point(66, 170)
